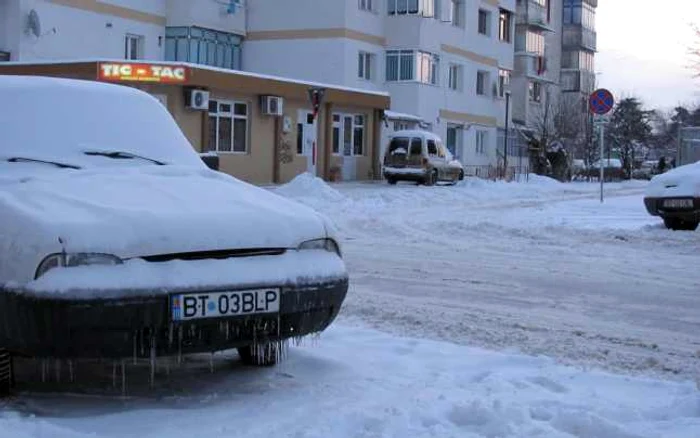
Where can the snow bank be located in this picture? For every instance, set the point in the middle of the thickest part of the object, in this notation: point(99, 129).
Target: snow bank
point(136, 276)
point(307, 185)
point(544, 181)
point(360, 383)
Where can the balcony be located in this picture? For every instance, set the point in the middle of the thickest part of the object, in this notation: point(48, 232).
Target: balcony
point(577, 37)
point(533, 67)
point(533, 15)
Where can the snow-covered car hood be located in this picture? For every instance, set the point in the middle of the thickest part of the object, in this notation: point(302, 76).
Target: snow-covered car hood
point(681, 181)
point(140, 211)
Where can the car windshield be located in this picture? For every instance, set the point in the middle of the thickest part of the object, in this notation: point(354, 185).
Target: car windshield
point(79, 116)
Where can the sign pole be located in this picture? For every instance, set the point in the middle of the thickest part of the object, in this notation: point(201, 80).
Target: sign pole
point(602, 152)
point(601, 102)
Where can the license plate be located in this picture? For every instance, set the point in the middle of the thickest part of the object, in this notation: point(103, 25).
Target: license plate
point(187, 306)
point(678, 203)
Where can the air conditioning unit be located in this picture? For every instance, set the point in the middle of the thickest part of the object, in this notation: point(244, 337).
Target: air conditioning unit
point(272, 105)
point(197, 99)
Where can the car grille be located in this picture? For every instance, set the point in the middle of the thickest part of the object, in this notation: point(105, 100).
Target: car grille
point(219, 254)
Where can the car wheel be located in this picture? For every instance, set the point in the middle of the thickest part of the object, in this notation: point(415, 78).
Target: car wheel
point(6, 374)
point(392, 181)
point(264, 355)
point(461, 175)
point(677, 224)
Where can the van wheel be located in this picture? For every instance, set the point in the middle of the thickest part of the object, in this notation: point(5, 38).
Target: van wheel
point(432, 178)
point(265, 355)
point(461, 175)
point(677, 224)
point(6, 373)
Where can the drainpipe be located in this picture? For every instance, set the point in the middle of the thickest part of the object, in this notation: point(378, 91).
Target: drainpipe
point(276, 151)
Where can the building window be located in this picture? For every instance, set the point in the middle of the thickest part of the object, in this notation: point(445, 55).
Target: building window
point(535, 91)
point(579, 12)
point(454, 77)
point(482, 82)
point(409, 65)
point(457, 12)
point(453, 140)
point(133, 47)
point(4, 56)
point(228, 126)
point(349, 130)
point(504, 26)
point(425, 8)
point(203, 46)
point(365, 65)
point(481, 140)
point(484, 22)
point(503, 82)
point(534, 43)
point(366, 5)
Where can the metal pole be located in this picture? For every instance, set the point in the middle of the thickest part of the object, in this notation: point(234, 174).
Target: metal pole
point(680, 144)
point(602, 153)
point(505, 146)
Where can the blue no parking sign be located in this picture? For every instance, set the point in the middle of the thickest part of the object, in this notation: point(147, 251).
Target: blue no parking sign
point(601, 101)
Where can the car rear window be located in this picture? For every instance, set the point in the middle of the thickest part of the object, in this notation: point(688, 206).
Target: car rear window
point(416, 147)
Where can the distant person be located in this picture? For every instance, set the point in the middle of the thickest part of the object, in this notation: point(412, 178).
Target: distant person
point(662, 164)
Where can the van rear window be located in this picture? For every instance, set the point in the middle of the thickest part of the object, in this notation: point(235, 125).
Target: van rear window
point(416, 147)
point(398, 144)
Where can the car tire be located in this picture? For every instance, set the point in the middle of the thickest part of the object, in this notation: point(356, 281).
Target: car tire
point(677, 224)
point(6, 373)
point(461, 175)
point(264, 355)
point(392, 181)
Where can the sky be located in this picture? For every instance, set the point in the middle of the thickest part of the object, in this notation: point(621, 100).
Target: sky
point(643, 50)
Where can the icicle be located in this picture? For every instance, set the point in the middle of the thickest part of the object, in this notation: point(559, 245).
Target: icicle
point(135, 347)
point(70, 371)
point(171, 331)
point(179, 345)
point(227, 332)
point(143, 343)
point(154, 363)
point(114, 375)
point(123, 378)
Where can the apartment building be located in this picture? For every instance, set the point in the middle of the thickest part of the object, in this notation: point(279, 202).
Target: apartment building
point(188, 54)
point(448, 62)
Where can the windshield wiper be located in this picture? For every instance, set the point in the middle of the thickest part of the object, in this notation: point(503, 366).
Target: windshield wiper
point(123, 155)
point(34, 160)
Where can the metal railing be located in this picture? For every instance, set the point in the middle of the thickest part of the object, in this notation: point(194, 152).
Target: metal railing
point(494, 173)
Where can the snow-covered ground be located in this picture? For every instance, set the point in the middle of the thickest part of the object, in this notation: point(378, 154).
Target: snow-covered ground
point(566, 289)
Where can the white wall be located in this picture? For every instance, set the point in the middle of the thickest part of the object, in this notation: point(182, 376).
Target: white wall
point(11, 27)
point(206, 13)
point(4, 23)
point(297, 14)
point(156, 7)
point(82, 34)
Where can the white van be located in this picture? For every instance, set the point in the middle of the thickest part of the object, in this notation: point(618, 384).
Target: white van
point(419, 156)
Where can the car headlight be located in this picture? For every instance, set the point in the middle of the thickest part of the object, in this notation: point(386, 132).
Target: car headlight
point(325, 244)
point(68, 260)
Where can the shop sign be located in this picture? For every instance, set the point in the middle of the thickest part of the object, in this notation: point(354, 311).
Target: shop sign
point(132, 72)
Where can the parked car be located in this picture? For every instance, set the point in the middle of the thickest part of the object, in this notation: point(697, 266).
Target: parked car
point(675, 197)
point(613, 168)
point(647, 170)
point(117, 240)
point(419, 156)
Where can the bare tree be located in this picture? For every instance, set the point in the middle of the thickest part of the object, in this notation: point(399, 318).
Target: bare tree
point(559, 127)
point(695, 52)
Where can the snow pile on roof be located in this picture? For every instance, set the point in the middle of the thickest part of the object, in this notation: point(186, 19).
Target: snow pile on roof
point(306, 185)
point(394, 115)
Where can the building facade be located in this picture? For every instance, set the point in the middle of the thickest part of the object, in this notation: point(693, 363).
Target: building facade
point(446, 62)
point(464, 69)
point(263, 129)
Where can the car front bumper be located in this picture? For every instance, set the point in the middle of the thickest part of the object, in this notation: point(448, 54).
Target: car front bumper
point(655, 207)
point(138, 326)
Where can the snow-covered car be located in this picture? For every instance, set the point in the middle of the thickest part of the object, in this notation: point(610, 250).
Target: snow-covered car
point(116, 240)
point(675, 196)
point(419, 156)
